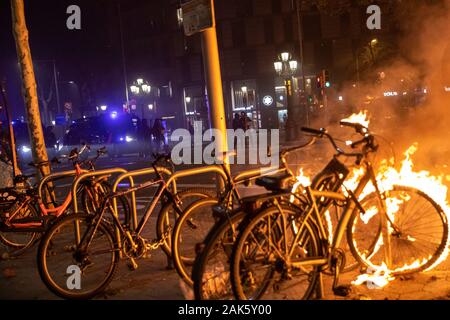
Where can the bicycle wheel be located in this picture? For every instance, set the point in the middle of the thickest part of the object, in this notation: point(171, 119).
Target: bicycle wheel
point(211, 270)
point(17, 242)
point(92, 196)
point(418, 235)
point(167, 217)
point(70, 272)
point(190, 229)
point(260, 262)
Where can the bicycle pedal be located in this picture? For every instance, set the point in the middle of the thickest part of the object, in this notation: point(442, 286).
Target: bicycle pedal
point(342, 290)
point(132, 265)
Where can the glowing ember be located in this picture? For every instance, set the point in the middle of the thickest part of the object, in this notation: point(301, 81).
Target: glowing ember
point(376, 280)
point(302, 181)
point(387, 177)
point(329, 226)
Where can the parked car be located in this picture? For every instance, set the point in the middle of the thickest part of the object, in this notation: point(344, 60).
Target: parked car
point(23, 145)
point(119, 132)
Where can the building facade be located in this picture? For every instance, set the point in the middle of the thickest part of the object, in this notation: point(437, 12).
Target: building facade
point(251, 34)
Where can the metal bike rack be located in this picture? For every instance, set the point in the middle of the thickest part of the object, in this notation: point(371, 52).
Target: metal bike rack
point(130, 175)
point(88, 175)
point(172, 180)
point(52, 177)
point(191, 172)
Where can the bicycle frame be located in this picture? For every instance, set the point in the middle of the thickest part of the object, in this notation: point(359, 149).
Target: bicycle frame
point(314, 214)
point(162, 190)
point(45, 211)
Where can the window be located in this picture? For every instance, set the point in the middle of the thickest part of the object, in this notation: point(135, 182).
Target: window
point(331, 26)
point(254, 31)
point(278, 30)
point(226, 34)
point(268, 30)
point(288, 28)
point(262, 7)
point(238, 33)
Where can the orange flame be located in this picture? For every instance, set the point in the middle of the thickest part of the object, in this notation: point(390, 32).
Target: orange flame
point(361, 118)
point(387, 177)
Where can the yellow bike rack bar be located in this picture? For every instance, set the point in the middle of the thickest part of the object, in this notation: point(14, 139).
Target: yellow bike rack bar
point(130, 175)
point(52, 177)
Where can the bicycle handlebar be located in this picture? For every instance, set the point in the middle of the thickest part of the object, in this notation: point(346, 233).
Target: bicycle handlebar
point(368, 139)
point(359, 128)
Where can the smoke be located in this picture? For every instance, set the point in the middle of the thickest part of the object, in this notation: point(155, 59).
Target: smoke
point(422, 61)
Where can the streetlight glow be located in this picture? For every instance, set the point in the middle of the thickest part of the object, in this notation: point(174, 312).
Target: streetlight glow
point(188, 99)
point(140, 81)
point(103, 107)
point(293, 64)
point(150, 107)
point(146, 88)
point(278, 66)
point(285, 56)
point(244, 89)
point(134, 89)
point(374, 41)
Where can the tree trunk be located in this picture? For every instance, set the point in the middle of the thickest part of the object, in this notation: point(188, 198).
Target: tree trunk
point(29, 84)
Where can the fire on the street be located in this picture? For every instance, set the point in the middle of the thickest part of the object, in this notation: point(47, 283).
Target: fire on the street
point(388, 176)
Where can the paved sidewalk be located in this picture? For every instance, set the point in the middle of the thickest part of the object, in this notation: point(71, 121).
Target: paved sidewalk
point(19, 280)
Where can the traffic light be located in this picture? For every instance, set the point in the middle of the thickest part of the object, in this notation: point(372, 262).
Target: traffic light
point(326, 78)
point(320, 81)
point(323, 80)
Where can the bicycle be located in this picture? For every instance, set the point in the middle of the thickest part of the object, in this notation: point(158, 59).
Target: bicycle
point(24, 214)
point(196, 221)
point(280, 252)
point(210, 274)
point(89, 243)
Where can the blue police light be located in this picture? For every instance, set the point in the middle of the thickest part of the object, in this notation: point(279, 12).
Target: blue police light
point(114, 114)
point(25, 149)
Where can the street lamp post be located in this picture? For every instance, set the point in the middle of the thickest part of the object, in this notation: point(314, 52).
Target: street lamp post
point(286, 67)
point(138, 88)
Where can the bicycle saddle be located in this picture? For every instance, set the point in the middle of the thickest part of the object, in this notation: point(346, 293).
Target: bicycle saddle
point(277, 183)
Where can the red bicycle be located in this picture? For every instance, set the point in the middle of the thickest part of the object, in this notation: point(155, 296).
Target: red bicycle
point(25, 215)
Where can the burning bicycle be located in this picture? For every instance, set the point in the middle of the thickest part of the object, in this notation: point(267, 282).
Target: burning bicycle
point(281, 251)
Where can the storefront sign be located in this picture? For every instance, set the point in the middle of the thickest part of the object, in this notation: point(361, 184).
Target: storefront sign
point(268, 101)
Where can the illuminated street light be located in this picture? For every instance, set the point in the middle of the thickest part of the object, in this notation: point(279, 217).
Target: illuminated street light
point(286, 67)
point(374, 42)
point(146, 88)
point(188, 99)
point(244, 89)
point(134, 89)
point(138, 88)
point(103, 107)
point(285, 56)
point(293, 64)
point(150, 107)
point(278, 66)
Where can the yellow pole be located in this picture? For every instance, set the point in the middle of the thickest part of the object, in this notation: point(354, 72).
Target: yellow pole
point(20, 33)
point(213, 78)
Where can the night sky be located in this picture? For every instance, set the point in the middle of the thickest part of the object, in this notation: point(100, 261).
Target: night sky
point(80, 55)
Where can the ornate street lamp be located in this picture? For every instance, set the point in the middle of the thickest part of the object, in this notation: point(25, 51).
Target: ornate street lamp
point(141, 87)
point(286, 67)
